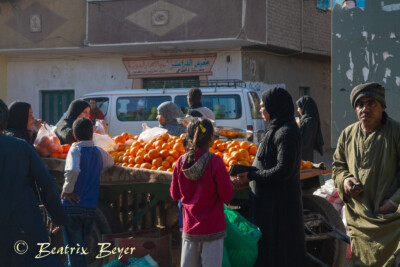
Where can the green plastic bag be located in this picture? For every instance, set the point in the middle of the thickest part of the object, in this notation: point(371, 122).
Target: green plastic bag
point(241, 239)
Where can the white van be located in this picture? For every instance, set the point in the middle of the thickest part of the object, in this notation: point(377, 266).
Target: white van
point(126, 110)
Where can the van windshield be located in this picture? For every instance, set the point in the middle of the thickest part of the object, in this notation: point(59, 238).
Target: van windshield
point(254, 105)
point(102, 103)
point(139, 108)
point(225, 107)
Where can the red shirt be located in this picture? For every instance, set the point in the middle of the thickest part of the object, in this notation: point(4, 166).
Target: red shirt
point(203, 200)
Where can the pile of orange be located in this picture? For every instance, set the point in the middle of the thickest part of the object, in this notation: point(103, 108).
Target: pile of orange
point(305, 165)
point(234, 152)
point(159, 154)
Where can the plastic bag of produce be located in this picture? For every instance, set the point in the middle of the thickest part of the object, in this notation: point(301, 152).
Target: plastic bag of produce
point(104, 141)
point(47, 142)
point(149, 134)
point(241, 239)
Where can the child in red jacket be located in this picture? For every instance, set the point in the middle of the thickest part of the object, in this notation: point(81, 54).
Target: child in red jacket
point(202, 183)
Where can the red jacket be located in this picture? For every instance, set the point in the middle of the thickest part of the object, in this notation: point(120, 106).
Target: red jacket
point(202, 199)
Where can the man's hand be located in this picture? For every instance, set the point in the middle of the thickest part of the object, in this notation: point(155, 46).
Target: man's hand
point(387, 207)
point(71, 197)
point(348, 187)
point(53, 228)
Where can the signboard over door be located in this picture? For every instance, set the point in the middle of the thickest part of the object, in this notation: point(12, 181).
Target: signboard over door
point(176, 66)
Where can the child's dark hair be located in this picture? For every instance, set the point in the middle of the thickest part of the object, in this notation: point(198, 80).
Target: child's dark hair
point(83, 129)
point(199, 134)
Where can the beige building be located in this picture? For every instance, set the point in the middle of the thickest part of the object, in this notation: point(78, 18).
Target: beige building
point(52, 51)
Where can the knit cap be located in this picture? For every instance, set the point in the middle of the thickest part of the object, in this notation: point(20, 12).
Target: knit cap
point(374, 90)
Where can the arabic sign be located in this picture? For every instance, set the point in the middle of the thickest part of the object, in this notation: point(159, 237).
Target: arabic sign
point(169, 66)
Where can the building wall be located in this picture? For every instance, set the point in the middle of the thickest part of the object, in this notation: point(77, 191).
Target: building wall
point(293, 72)
point(365, 48)
point(299, 26)
point(3, 78)
point(28, 75)
point(63, 24)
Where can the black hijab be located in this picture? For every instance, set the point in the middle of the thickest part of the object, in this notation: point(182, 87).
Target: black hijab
point(309, 110)
point(18, 117)
point(279, 104)
point(75, 109)
point(64, 127)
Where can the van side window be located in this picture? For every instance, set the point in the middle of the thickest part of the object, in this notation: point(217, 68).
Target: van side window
point(254, 102)
point(225, 107)
point(139, 108)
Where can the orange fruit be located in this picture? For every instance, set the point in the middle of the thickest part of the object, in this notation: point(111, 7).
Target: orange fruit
point(161, 168)
point(235, 142)
point(139, 160)
point(133, 150)
point(166, 146)
point(148, 147)
point(165, 136)
point(125, 135)
point(121, 159)
point(244, 145)
point(243, 162)
point(119, 139)
point(153, 153)
point(136, 166)
point(245, 153)
point(141, 152)
point(157, 162)
point(130, 165)
point(136, 144)
point(232, 162)
point(179, 147)
point(159, 143)
point(125, 159)
point(212, 150)
point(170, 170)
point(170, 159)
point(147, 158)
point(145, 165)
point(124, 165)
point(131, 160)
point(121, 147)
point(308, 165)
point(182, 135)
point(164, 153)
point(237, 155)
point(165, 164)
point(221, 147)
point(175, 154)
point(66, 148)
point(253, 150)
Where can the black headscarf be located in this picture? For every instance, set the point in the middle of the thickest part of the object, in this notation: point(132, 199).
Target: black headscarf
point(18, 115)
point(64, 127)
point(75, 109)
point(309, 109)
point(18, 120)
point(279, 104)
point(3, 116)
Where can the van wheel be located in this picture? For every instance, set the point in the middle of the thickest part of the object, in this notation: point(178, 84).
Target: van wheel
point(330, 251)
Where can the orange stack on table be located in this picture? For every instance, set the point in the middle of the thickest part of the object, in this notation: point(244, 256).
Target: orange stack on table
point(234, 152)
point(159, 154)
